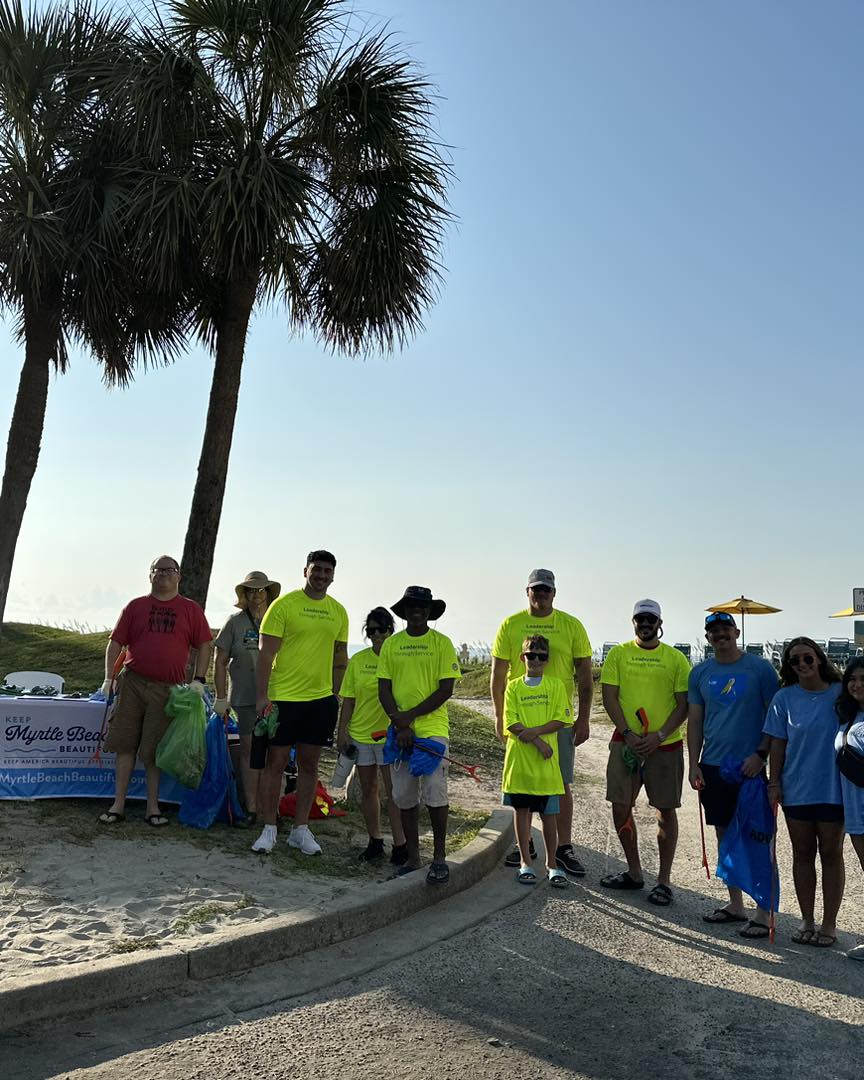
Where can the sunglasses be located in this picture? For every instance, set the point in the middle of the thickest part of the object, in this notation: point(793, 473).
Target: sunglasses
point(370, 630)
point(649, 619)
point(797, 661)
point(536, 655)
point(720, 618)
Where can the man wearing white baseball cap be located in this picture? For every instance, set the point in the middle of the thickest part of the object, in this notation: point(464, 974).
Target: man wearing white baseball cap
point(644, 685)
point(569, 661)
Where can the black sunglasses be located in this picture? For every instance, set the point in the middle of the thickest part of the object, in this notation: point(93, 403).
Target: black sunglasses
point(370, 630)
point(797, 661)
point(651, 619)
point(536, 655)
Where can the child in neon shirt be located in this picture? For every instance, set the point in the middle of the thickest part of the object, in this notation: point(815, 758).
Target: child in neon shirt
point(535, 708)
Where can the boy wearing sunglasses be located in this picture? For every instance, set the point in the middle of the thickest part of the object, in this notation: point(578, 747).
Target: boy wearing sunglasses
point(536, 708)
point(728, 699)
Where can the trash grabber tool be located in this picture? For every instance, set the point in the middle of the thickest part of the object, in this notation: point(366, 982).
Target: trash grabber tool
point(702, 832)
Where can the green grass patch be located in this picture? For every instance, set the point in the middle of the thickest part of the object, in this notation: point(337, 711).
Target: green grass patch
point(474, 682)
point(134, 944)
point(472, 736)
point(79, 658)
point(205, 913)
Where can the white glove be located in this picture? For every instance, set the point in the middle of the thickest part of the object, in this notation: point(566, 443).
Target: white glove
point(199, 688)
point(220, 706)
point(106, 688)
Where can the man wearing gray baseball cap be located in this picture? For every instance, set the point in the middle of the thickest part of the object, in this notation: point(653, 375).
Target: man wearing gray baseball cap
point(569, 661)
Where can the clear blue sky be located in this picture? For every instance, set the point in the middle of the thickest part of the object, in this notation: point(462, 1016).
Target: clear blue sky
point(644, 372)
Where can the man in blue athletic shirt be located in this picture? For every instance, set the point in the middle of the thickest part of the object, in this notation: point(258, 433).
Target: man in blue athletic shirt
point(728, 697)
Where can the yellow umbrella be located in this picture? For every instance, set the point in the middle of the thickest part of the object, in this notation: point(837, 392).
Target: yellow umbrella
point(846, 613)
point(743, 605)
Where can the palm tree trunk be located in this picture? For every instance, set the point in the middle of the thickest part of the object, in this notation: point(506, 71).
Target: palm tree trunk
point(206, 511)
point(25, 437)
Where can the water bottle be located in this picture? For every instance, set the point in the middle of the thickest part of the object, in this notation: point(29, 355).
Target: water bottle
point(344, 766)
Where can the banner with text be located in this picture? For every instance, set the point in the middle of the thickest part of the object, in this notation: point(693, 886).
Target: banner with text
point(47, 749)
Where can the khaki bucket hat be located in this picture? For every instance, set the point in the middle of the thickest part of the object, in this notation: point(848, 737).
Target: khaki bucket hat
point(256, 579)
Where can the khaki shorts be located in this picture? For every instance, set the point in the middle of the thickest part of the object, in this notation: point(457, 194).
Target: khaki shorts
point(138, 721)
point(409, 791)
point(662, 775)
point(566, 753)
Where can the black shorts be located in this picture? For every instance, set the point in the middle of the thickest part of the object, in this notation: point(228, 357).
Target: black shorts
point(310, 722)
point(814, 812)
point(718, 797)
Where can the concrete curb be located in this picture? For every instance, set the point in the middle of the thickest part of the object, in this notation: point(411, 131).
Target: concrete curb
point(121, 980)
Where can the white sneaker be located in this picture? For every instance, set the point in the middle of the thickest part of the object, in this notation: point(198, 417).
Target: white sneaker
point(267, 840)
point(301, 837)
point(857, 953)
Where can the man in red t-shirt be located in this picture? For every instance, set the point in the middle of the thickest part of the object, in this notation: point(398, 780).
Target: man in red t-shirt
point(157, 632)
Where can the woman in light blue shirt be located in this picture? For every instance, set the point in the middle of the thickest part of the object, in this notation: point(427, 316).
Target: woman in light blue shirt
point(802, 724)
point(850, 710)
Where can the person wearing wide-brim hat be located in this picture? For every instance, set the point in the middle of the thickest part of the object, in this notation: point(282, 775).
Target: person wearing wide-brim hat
point(417, 671)
point(236, 655)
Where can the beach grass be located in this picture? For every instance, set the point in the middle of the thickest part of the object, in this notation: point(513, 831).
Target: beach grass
point(79, 658)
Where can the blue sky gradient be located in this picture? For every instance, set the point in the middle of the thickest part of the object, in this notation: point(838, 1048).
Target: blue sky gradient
point(644, 370)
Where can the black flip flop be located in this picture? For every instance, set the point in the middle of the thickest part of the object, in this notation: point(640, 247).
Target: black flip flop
point(660, 895)
point(111, 817)
point(752, 925)
point(156, 821)
point(621, 881)
point(719, 916)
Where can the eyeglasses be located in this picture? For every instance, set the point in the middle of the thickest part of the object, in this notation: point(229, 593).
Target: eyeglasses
point(797, 661)
point(164, 570)
point(536, 655)
point(250, 589)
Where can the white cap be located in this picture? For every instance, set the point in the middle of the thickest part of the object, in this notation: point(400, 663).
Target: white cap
point(647, 607)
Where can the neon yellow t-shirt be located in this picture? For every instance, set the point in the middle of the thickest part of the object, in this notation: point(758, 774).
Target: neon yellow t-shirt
point(303, 667)
point(415, 666)
point(567, 642)
point(361, 684)
point(647, 679)
point(526, 772)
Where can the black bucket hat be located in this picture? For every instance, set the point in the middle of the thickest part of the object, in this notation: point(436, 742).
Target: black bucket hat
point(419, 594)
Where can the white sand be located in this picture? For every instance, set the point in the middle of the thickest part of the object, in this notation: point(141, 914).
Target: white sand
point(70, 903)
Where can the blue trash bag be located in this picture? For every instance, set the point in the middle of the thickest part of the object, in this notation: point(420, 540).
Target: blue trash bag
point(420, 763)
point(392, 751)
point(216, 795)
point(425, 756)
point(745, 860)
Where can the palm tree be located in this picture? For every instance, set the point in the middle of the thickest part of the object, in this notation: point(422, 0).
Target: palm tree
point(67, 270)
point(314, 179)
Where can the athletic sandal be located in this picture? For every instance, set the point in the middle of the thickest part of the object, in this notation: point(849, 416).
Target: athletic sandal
point(438, 874)
point(558, 879)
point(660, 895)
point(621, 881)
point(722, 915)
point(111, 817)
point(526, 876)
point(822, 941)
point(158, 821)
point(803, 936)
point(514, 859)
point(754, 930)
